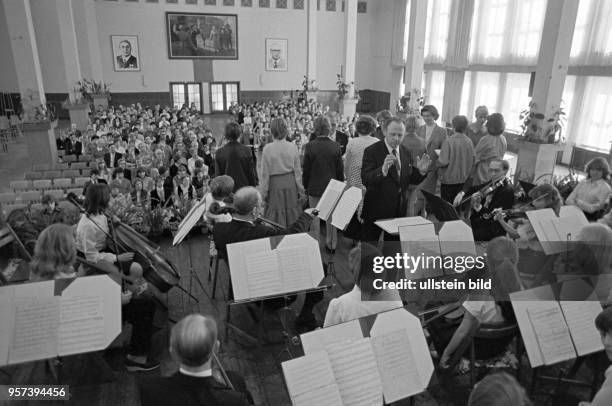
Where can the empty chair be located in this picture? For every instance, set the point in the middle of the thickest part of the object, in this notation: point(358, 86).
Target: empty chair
point(20, 185)
point(61, 166)
point(42, 184)
point(62, 183)
point(76, 191)
point(80, 182)
point(70, 158)
point(52, 174)
point(61, 152)
point(36, 207)
point(71, 173)
point(85, 158)
point(33, 175)
point(8, 197)
point(34, 197)
point(57, 194)
point(79, 165)
point(85, 172)
point(41, 167)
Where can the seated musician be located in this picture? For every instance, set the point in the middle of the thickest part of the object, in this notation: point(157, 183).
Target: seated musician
point(499, 389)
point(488, 307)
point(533, 263)
point(92, 233)
point(593, 194)
point(498, 194)
point(603, 323)
point(364, 299)
point(193, 343)
point(248, 205)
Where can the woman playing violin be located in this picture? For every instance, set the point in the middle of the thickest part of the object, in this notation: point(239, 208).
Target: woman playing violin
point(91, 241)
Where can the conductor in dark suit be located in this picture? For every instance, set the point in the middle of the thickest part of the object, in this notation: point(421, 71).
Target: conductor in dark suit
point(193, 343)
point(386, 172)
point(235, 159)
point(126, 60)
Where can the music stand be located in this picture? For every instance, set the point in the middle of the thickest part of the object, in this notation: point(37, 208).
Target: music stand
point(443, 210)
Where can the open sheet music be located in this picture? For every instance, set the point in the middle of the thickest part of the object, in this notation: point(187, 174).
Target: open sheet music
point(391, 226)
point(330, 197)
point(554, 331)
point(346, 207)
point(554, 232)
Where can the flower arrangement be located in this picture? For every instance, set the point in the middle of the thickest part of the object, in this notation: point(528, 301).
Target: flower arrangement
point(89, 88)
point(343, 87)
point(123, 207)
point(309, 85)
point(536, 128)
point(156, 221)
point(34, 111)
point(411, 102)
point(566, 184)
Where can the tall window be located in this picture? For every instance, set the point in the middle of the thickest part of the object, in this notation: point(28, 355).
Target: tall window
point(436, 31)
point(434, 88)
point(506, 32)
point(186, 94)
point(222, 95)
point(592, 41)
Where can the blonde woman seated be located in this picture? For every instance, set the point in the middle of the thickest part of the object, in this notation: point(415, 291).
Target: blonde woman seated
point(593, 194)
point(364, 299)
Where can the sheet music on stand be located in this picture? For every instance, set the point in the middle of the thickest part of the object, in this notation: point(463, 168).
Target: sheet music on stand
point(392, 363)
point(57, 318)
point(190, 220)
point(555, 232)
point(330, 197)
point(391, 226)
point(340, 203)
point(553, 330)
point(257, 270)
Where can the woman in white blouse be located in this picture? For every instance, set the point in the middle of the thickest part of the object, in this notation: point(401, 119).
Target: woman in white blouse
point(592, 194)
point(364, 299)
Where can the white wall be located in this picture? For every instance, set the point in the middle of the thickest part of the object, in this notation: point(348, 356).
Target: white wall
point(363, 56)
point(8, 74)
point(381, 17)
point(330, 47)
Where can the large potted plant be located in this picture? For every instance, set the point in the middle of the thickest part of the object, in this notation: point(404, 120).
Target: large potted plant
point(308, 86)
point(347, 97)
point(97, 93)
point(540, 140)
point(39, 121)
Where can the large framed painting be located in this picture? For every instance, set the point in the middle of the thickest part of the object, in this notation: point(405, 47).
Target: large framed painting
point(202, 36)
point(276, 54)
point(126, 54)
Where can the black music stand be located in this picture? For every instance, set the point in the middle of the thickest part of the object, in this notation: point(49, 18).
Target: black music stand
point(443, 210)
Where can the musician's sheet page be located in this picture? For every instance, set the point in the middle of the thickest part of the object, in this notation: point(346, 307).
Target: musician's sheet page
point(396, 365)
point(310, 378)
point(420, 240)
point(541, 222)
point(81, 324)
point(263, 274)
point(580, 317)
point(346, 207)
point(356, 372)
point(456, 238)
point(392, 226)
point(318, 340)
point(7, 313)
point(237, 254)
point(310, 248)
point(552, 333)
point(294, 266)
point(330, 197)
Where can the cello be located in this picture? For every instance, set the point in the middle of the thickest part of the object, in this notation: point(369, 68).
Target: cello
point(157, 270)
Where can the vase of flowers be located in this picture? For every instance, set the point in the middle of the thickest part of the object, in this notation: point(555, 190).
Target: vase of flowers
point(96, 93)
point(308, 85)
point(344, 88)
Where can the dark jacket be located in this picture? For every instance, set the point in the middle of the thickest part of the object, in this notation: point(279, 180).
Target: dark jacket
point(322, 162)
point(156, 200)
point(184, 390)
point(384, 196)
point(107, 159)
point(236, 160)
point(342, 139)
point(487, 229)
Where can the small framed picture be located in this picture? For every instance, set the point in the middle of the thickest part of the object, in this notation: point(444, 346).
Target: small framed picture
point(126, 54)
point(276, 54)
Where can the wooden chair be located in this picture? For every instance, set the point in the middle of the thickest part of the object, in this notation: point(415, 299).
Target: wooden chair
point(80, 182)
point(42, 184)
point(76, 191)
point(85, 158)
point(33, 197)
point(62, 183)
point(20, 185)
point(8, 197)
point(71, 173)
point(41, 167)
point(33, 175)
point(52, 174)
point(85, 172)
point(61, 166)
point(70, 158)
point(79, 165)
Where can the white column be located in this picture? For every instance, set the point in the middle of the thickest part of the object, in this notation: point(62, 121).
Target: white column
point(554, 55)
point(311, 66)
point(69, 46)
point(350, 44)
point(93, 42)
point(413, 75)
point(397, 50)
point(25, 51)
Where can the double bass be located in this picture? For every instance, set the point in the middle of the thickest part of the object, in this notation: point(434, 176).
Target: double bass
point(157, 270)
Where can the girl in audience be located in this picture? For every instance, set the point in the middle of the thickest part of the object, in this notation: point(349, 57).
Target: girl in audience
point(477, 129)
point(147, 181)
point(138, 194)
point(499, 389)
point(364, 299)
point(184, 191)
point(120, 182)
point(105, 173)
point(593, 194)
point(200, 181)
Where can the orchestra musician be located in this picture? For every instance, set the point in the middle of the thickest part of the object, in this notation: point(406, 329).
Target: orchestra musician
point(92, 233)
point(248, 207)
point(193, 343)
point(498, 193)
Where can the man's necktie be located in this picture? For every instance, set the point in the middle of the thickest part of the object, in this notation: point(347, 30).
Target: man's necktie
point(397, 167)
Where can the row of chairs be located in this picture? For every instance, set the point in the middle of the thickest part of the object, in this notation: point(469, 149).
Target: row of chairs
point(74, 158)
point(62, 166)
point(46, 184)
point(69, 173)
point(35, 196)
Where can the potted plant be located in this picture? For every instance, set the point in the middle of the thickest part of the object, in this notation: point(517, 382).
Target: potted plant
point(35, 112)
point(308, 85)
point(411, 103)
point(343, 87)
point(540, 140)
point(97, 93)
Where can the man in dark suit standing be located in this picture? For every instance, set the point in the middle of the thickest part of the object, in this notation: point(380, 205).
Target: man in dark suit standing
point(322, 162)
point(112, 157)
point(193, 343)
point(235, 159)
point(340, 137)
point(386, 172)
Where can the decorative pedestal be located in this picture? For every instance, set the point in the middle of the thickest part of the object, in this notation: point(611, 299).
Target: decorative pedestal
point(536, 160)
point(100, 100)
point(40, 138)
point(79, 114)
point(348, 107)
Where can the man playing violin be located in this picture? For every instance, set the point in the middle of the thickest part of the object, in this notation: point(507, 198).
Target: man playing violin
point(497, 194)
point(92, 233)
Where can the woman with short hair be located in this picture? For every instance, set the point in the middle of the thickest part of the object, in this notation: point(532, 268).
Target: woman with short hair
point(477, 129)
point(281, 176)
point(54, 254)
point(592, 194)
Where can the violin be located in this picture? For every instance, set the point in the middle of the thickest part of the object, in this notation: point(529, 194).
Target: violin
point(216, 209)
point(509, 214)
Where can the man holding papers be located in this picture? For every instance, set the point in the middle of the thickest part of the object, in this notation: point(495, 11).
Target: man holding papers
point(248, 205)
point(386, 172)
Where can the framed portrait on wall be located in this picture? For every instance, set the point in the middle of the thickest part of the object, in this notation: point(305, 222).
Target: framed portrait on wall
point(126, 54)
point(202, 36)
point(276, 54)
